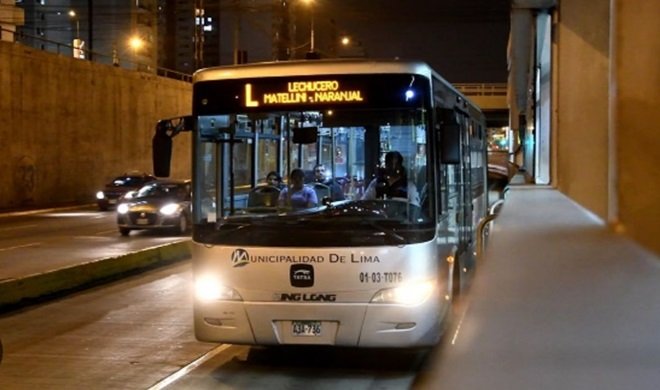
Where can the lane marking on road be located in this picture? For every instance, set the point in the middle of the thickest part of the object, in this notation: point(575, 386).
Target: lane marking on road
point(20, 246)
point(458, 327)
point(114, 231)
point(17, 227)
point(187, 369)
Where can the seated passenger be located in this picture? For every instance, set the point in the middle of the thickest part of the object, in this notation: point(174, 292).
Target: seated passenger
point(392, 182)
point(275, 180)
point(335, 191)
point(297, 195)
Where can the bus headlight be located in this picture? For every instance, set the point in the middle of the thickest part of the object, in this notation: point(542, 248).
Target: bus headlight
point(209, 288)
point(100, 195)
point(169, 209)
point(410, 294)
point(122, 208)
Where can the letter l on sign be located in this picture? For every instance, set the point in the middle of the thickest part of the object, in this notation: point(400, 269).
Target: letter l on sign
point(248, 97)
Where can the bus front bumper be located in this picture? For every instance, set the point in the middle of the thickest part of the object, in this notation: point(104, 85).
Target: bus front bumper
point(340, 324)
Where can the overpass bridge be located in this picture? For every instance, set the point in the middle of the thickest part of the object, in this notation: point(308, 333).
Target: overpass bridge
point(491, 98)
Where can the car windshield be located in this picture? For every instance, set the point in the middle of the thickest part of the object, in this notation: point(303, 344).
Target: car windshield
point(128, 181)
point(157, 190)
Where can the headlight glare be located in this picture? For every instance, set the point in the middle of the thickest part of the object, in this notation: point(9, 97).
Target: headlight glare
point(410, 294)
point(122, 208)
point(100, 195)
point(169, 209)
point(209, 288)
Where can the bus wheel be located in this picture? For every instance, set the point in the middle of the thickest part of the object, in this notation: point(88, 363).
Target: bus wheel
point(124, 231)
point(456, 281)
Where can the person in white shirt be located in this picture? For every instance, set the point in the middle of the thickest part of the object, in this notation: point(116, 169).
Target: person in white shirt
point(392, 182)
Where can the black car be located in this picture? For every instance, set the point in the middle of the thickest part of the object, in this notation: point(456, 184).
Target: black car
point(160, 204)
point(119, 186)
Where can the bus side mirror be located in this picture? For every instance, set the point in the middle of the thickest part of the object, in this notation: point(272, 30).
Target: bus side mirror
point(450, 144)
point(449, 136)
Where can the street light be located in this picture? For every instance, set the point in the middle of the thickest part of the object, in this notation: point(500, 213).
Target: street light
point(311, 28)
point(77, 42)
point(74, 16)
point(135, 43)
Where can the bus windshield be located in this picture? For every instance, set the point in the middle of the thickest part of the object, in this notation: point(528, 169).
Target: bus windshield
point(331, 170)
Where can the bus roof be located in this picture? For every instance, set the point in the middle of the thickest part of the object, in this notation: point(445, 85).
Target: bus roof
point(314, 67)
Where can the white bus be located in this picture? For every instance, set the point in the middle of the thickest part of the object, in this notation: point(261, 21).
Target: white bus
point(372, 231)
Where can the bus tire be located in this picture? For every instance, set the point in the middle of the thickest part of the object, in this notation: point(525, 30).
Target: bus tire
point(456, 281)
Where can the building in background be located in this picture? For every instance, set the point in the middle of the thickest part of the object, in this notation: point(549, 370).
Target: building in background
point(10, 18)
point(182, 35)
point(188, 34)
point(118, 32)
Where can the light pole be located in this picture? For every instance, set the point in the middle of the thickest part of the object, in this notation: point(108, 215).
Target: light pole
point(74, 16)
point(77, 42)
point(311, 24)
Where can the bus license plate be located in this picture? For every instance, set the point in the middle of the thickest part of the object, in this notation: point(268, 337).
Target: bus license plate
point(306, 328)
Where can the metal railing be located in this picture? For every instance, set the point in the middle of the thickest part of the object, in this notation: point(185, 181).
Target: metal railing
point(483, 229)
point(482, 89)
point(65, 49)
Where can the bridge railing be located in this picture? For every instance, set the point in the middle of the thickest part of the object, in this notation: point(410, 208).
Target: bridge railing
point(482, 89)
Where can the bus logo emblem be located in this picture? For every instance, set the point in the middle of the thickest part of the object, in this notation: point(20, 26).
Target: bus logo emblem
point(301, 275)
point(239, 258)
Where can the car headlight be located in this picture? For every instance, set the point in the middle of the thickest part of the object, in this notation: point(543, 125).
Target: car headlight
point(209, 288)
point(122, 208)
point(100, 195)
point(409, 294)
point(170, 209)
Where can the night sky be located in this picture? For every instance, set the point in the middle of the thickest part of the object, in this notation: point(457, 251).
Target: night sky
point(464, 40)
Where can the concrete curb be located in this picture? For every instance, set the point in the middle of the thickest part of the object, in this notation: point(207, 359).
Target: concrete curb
point(16, 291)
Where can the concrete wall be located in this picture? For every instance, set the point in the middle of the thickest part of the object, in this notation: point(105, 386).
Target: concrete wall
point(582, 102)
point(69, 126)
point(607, 118)
point(636, 119)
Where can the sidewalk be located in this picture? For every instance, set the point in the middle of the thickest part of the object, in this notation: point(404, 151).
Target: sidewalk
point(560, 302)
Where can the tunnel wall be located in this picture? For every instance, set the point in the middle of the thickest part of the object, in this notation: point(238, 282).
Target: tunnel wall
point(69, 126)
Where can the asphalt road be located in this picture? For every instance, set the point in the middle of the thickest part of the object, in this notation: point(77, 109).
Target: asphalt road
point(50, 252)
point(136, 333)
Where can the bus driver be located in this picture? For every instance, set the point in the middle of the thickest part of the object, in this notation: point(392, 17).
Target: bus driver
point(392, 181)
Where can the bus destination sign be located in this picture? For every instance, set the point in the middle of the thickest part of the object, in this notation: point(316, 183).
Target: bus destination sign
point(301, 92)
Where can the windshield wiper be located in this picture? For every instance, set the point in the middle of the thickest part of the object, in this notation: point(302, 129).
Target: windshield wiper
point(387, 232)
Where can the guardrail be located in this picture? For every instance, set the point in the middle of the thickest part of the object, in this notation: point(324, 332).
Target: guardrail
point(65, 49)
